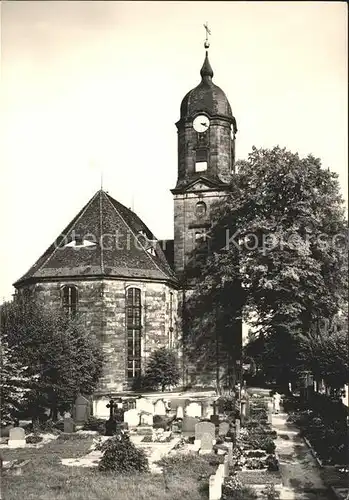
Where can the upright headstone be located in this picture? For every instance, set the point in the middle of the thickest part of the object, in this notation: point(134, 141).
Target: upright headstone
point(230, 453)
point(82, 409)
point(215, 419)
point(160, 407)
point(180, 412)
point(206, 444)
point(215, 488)
point(243, 410)
point(237, 427)
point(193, 410)
point(226, 466)
point(189, 424)
point(176, 426)
point(144, 404)
point(270, 411)
point(131, 417)
point(223, 429)
point(204, 428)
point(69, 425)
point(207, 410)
point(16, 438)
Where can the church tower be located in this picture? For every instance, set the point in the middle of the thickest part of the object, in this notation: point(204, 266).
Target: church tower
point(206, 157)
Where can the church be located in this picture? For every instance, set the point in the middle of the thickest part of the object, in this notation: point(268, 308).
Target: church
point(109, 267)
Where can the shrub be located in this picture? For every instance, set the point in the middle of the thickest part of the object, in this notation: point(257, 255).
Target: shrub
point(121, 455)
point(196, 465)
point(272, 463)
point(65, 436)
point(234, 490)
point(268, 445)
point(47, 426)
point(162, 422)
point(95, 424)
point(271, 493)
point(33, 439)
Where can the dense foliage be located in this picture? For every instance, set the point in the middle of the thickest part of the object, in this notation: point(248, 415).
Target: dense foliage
point(277, 254)
point(54, 355)
point(324, 423)
point(162, 369)
point(121, 455)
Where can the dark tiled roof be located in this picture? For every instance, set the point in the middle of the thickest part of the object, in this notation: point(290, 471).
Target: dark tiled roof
point(168, 249)
point(120, 249)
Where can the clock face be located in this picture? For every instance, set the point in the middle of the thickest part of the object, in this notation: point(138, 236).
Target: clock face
point(201, 123)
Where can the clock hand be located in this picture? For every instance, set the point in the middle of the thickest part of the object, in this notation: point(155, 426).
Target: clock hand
point(204, 124)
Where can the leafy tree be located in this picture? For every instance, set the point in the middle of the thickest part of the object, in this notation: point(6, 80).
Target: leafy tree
point(162, 369)
point(324, 352)
point(13, 376)
point(58, 357)
point(277, 250)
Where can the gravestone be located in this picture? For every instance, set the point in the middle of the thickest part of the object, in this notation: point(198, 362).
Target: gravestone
point(270, 411)
point(168, 405)
point(146, 418)
point(131, 417)
point(243, 411)
point(215, 407)
point(68, 425)
point(204, 428)
point(237, 427)
point(223, 429)
point(144, 404)
point(16, 438)
point(160, 407)
point(110, 427)
point(82, 409)
point(230, 453)
point(207, 410)
point(180, 412)
point(215, 419)
point(189, 424)
point(193, 410)
point(215, 487)
point(176, 426)
point(206, 444)
point(226, 466)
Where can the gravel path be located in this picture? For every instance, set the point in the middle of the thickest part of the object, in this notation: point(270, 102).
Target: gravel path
point(300, 471)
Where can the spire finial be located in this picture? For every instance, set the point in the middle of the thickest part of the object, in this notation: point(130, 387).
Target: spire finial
point(208, 32)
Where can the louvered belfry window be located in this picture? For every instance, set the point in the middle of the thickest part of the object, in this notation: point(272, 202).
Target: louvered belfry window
point(133, 325)
point(70, 299)
point(201, 160)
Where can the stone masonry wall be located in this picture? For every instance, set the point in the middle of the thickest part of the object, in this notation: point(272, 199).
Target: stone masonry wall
point(186, 222)
point(101, 304)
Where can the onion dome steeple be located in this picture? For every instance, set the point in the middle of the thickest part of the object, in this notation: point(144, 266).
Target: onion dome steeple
point(206, 97)
point(206, 71)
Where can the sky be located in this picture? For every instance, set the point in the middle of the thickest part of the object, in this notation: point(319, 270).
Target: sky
point(96, 86)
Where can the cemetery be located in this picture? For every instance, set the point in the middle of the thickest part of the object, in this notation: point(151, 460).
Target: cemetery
point(224, 449)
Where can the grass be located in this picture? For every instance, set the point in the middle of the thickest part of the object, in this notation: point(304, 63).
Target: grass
point(45, 478)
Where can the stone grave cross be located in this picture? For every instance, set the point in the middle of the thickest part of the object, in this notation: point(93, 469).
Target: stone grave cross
point(111, 405)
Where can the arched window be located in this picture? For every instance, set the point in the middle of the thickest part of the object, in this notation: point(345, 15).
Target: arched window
point(70, 299)
point(133, 327)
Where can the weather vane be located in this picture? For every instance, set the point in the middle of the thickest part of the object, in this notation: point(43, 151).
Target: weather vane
point(208, 32)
